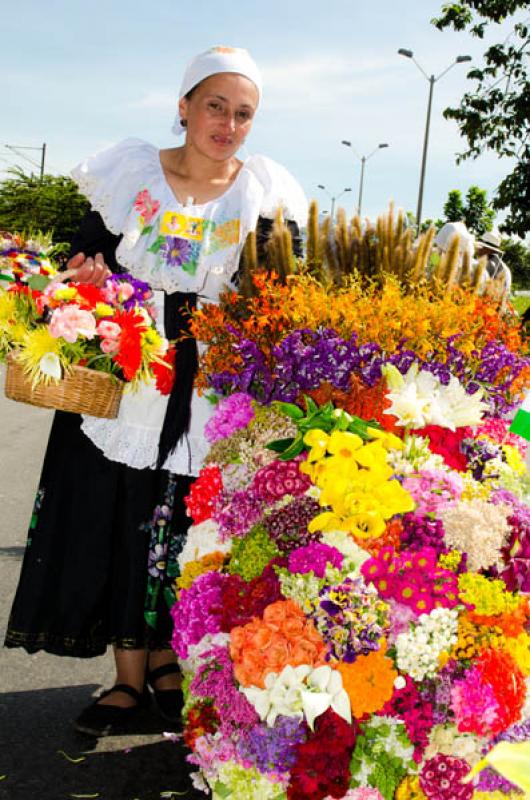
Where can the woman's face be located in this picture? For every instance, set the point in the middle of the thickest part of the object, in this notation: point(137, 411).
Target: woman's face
point(219, 114)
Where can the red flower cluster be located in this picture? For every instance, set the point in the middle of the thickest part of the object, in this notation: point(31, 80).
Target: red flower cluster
point(416, 712)
point(441, 778)
point(499, 670)
point(129, 356)
point(446, 443)
point(322, 765)
point(203, 492)
point(241, 600)
point(202, 719)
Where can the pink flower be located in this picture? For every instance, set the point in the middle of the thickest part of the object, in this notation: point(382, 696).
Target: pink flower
point(146, 206)
point(109, 346)
point(70, 322)
point(125, 292)
point(108, 329)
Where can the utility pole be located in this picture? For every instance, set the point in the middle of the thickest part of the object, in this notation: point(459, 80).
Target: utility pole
point(42, 150)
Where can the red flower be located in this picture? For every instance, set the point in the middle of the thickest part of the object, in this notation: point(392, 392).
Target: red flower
point(129, 356)
point(165, 373)
point(203, 492)
point(446, 443)
point(322, 766)
point(202, 719)
point(89, 295)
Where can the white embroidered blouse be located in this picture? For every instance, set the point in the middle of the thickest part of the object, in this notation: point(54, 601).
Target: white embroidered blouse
point(174, 247)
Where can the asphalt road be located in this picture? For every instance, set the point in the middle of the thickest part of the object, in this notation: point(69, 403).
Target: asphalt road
point(41, 756)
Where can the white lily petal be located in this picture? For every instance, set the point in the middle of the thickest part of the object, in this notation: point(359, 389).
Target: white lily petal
point(335, 684)
point(341, 705)
point(320, 678)
point(314, 704)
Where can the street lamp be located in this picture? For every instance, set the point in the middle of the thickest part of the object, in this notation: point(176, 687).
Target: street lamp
point(364, 159)
point(432, 80)
point(333, 198)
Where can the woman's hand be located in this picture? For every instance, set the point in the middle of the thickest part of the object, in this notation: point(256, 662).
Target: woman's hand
point(87, 270)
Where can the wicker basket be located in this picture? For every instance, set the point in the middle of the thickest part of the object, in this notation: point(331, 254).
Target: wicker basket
point(82, 391)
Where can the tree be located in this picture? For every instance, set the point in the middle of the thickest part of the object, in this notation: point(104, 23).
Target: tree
point(517, 256)
point(475, 211)
point(51, 204)
point(494, 116)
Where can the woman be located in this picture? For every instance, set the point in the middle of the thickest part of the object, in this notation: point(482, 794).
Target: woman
point(109, 519)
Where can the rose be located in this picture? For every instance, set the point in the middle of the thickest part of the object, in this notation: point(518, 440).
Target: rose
point(109, 346)
point(70, 322)
point(108, 329)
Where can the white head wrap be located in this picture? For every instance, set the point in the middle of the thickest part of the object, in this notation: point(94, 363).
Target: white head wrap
point(212, 62)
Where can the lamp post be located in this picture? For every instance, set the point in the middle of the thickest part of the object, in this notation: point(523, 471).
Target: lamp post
point(363, 159)
point(432, 80)
point(332, 197)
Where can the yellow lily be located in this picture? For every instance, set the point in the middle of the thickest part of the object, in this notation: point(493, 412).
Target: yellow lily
point(344, 444)
point(509, 759)
point(317, 440)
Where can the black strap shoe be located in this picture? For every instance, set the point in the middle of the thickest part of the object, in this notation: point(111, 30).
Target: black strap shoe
point(169, 702)
point(105, 720)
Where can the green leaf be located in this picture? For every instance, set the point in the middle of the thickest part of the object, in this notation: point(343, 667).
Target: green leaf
point(280, 445)
point(222, 790)
point(294, 450)
point(311, 406)
point(157, 244)
point(147, 229)
point(290, 410)
point(38, 282)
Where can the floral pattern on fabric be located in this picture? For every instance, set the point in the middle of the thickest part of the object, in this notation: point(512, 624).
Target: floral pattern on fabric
point(164, 548)
point(181, 237)
point(35, 514)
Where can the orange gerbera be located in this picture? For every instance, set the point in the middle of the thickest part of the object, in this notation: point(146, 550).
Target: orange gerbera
point(369, 681)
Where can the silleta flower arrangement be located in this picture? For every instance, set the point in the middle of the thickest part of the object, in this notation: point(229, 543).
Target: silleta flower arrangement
point(49, 326)
point(352, 612)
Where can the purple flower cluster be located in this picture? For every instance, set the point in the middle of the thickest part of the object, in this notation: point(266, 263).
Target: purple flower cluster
point(478, 452)
point(421, 530)
point(314, 557)
point(197, 612)
point(272, 750)
point(306, 358)
point(288, 525)
point(237, 514)
point(215, 680)
point(279, 478)
point(516, 552)
point(142, 290)
point(231, 414)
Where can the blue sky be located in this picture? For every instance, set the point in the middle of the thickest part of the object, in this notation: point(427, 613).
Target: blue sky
point(82, 74)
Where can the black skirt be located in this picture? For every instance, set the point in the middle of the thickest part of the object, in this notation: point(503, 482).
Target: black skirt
point(101, 557)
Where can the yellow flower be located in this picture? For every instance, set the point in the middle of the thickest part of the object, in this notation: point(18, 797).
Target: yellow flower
point(37, 345)
point(65, 293)
point(317, 440)
point(103, 310)
point(344, 444)
point(514, 459)
point(367, 525)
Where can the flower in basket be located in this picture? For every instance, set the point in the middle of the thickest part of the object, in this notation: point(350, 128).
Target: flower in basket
point(109, 329)
point(25, 261)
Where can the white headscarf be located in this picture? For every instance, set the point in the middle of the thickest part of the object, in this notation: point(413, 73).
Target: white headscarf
point(212, 62)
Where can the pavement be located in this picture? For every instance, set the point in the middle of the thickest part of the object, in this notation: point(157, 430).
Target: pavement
point(41, 756)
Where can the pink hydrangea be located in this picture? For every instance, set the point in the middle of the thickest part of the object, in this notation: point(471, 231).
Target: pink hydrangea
point(315, 557)
point(279, 478)
point(231, 414)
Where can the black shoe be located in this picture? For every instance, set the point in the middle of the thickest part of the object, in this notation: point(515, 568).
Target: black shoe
point(169, 702)
point(104, 720)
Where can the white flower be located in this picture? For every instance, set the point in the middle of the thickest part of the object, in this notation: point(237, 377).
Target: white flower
point(300, 692)
point(201, 540)
point(354, 556)
point(419, 649)
point(419, 399)
point(50, 365)
point(193, 661)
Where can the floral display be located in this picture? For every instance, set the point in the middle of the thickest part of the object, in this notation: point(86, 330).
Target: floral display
point(51, 326)
point(352, 616)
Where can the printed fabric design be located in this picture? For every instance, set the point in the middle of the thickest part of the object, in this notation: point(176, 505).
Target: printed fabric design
point(35, 515)
point(164, 548)
point(183, 238)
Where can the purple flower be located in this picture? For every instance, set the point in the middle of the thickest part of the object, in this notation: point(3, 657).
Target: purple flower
point(237, 514)
point(176, 251)
point(232, 413)
point(197, 612)
point(315, 557)
point(272, 750)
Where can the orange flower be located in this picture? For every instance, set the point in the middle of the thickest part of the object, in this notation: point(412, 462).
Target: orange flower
point(284, 636)
point(369, 681)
